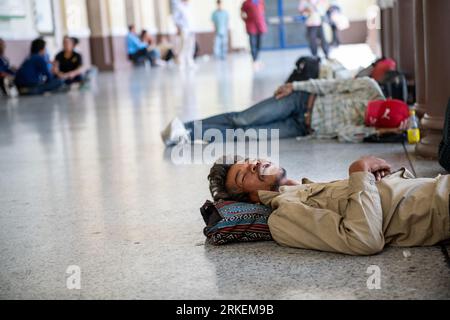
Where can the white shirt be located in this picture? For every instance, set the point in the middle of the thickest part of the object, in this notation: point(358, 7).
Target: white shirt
point(317, 9)
point(183, 16)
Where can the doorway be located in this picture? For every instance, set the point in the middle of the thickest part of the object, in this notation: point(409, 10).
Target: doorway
point(286, 28)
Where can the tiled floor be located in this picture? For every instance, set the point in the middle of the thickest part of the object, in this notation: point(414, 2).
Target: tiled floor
point(85, 181)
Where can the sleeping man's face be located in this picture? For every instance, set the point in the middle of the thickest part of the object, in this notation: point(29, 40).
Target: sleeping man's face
point(251, 176)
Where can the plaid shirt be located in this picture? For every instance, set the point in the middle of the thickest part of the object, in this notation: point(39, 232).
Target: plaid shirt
point(340, 107)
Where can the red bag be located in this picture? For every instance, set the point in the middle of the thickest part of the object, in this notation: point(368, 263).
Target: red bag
point(388, 113)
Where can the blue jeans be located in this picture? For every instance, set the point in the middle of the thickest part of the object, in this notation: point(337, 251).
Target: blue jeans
point(221, 46)
point(52, 85)
point(255, 45)
point(287, 115)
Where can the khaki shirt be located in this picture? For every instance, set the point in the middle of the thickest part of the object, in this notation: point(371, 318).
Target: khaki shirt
point(359, 216)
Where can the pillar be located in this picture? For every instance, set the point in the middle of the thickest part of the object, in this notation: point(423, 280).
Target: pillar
point(403, 26)
point(437, 45)
point(387, 40)
point(419, 61)
point(107, 21)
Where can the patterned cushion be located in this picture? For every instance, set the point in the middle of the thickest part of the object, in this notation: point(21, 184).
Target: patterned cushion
point(229, 221)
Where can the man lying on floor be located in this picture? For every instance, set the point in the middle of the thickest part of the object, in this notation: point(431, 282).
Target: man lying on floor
point(358, 216)
point(324, 108)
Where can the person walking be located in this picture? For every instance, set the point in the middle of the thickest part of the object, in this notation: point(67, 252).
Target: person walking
point(220, 19)
point(315, 11)
point(184, 21)
point(253, 13)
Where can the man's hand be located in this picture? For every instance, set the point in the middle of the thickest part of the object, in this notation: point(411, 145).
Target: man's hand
point(284, 91)
point(379, 167)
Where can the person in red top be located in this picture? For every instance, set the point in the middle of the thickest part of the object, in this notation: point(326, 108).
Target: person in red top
point(253, 13)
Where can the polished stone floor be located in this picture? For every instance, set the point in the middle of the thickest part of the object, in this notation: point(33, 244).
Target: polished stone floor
point(85, 181)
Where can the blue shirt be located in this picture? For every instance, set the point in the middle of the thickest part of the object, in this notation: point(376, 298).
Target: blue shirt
point(5, 67)
point(220, 19)
point(134, 44)
point(33, 71)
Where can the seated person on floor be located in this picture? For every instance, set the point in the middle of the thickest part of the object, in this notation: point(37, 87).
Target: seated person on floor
point(7, 72)
point(358, 216)
point(152, 47)
point(166, 49)
point(34, 76)
point(138, 50)
point(322, 108)
point(68, 64)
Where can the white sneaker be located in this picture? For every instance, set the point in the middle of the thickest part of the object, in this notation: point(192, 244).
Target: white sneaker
point(6, 85)
point(175, 133)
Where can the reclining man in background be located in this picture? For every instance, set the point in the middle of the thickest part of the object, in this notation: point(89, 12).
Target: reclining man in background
point(358, 216)
point(323, 108)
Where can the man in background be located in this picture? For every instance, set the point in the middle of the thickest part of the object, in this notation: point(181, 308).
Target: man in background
point(220, 19)
point(184, 21)
point(68, 64)
point(315, 11)
point(253, 13)
point(34, 76)
point(138, 50)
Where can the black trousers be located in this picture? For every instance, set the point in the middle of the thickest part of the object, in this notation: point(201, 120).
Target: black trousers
point(142, 55)
point(315, 34)
point(255, 45)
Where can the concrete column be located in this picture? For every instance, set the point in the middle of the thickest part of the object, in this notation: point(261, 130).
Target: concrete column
point(420, 65)
point(107, 22)
point(437, 46)
point(387, 37)
point(403, 26)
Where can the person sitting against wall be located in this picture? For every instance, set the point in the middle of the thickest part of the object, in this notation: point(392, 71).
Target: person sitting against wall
point(152, 47)
point(320, 108)
point(166, 49)
point(138, 50)
point(7, 72)
point(34, 76)
point(68, 64)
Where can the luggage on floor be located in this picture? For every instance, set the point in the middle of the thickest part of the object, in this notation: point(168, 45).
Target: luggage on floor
point(388, 113)
point(306, 68)
point(395, 86)
point(378, 69)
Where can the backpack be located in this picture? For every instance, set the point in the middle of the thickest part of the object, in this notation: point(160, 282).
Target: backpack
point(306, 68)
point(378, 69)
point(395, 86)
point(386, 113)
